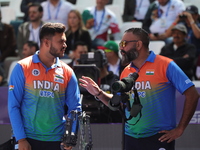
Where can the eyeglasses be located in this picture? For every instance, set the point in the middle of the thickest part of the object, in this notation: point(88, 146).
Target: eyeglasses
point(124, 43)
point(107, 50)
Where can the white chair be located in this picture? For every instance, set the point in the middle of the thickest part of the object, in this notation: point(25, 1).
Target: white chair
point(15, 4)
point(68, 60)
point(127, 25)
point(12, 65)
point(80, 8)
point(196, 83)
point(4, 2)
point(8, 14)
point(193, 2)
point(116, 10)
point(120, 3)
point(156, 46)
point(85, 3)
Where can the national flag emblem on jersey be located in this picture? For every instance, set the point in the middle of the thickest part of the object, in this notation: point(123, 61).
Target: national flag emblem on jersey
point(11, 87)
point(149, 72)
point(58, 78)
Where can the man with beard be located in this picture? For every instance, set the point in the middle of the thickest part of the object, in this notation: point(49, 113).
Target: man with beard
point(29, 31)
point(39, 87)
point(180, 51)
point(159, 78)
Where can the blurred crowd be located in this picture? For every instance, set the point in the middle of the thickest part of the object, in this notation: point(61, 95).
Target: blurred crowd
point(96, 28)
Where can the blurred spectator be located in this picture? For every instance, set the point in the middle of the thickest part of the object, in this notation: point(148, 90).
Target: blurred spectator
point(190, 19)
point(8, 41)
point(160, 15)
point(76, 31)
point(180, 51)
point(2, 76)
point(135, 10)
point(80, 48)
point(56, 11)
point(107, 79)
point(111, 50)
point(29, 48)
point(29, 31)
point(25, 5)
point(109, 2)
point(99, 20)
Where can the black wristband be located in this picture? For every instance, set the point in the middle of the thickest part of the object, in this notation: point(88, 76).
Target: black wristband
point(99, 93)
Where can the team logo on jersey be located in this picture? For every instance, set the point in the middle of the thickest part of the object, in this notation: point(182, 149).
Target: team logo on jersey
point(149, 72)
point(11, 87)
point(59, 70)
point(35, 72)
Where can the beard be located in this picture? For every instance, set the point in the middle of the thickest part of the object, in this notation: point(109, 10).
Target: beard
point(129, 56)
point(56, 53)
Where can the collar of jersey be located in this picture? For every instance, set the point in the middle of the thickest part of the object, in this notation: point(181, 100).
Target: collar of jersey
point(37, 60)
point(150, 58)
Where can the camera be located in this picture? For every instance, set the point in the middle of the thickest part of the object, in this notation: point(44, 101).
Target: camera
point(89, 65)
point(125, 84)
point(97, 58)
point(182, 16)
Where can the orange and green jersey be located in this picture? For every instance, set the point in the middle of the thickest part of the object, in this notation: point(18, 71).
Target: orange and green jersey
point(36, 99)
point(159, 77)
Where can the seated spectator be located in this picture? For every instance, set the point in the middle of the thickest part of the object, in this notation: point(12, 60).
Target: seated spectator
point(24, 6)
point(111, 50)
point(135, 10)
point(76, 31)
point(98, 20)
point(29, 48)
point(80, 48)
point(190, 19)
point(107, 78)
point(56, 11)
point(160, 15)
point(180, 51)
point(29, 31)
point(8, 41)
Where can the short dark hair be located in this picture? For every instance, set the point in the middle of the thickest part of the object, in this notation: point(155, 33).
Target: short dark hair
point(79, 43)
point(40, 8)
point(32, 44)
point(141, 34)
point(49, 29)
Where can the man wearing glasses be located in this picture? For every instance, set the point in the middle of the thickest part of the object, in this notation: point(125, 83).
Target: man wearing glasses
point(159, 78)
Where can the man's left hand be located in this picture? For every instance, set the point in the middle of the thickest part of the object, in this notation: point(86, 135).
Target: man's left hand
point(170, 135)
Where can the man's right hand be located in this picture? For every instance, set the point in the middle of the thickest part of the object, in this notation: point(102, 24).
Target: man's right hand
point(89, 85)
point(24, 145)
point(89, 23)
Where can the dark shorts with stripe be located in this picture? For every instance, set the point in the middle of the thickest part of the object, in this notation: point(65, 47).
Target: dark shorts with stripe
point(148, 143)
